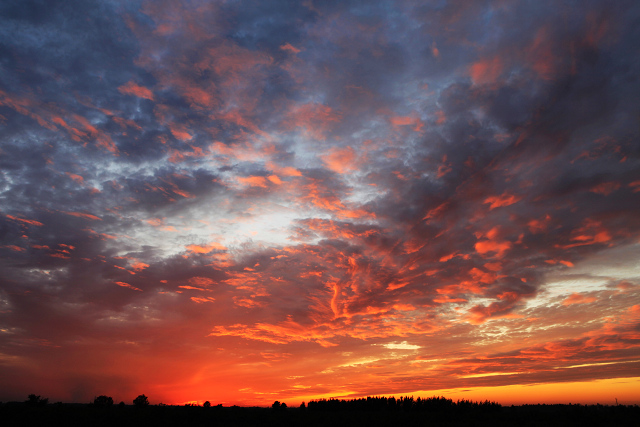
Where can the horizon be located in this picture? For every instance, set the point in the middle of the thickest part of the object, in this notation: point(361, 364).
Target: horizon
point(562, 395)
point(248, 201)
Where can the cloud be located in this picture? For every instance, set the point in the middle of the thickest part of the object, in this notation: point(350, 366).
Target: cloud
point(131, 88)
point(126, 285)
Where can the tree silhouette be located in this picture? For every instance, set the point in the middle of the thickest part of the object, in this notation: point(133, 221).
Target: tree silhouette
point(277, 406)
point(103, 400)
point(206, 404)
point(141, 401)
point(36, 400)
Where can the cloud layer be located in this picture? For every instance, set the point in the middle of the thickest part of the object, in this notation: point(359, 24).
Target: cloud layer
point(249, 201)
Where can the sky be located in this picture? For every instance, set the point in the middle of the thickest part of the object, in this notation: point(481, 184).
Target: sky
point(249, 201)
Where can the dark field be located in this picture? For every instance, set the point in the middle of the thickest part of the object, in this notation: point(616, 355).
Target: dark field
point(21, 414)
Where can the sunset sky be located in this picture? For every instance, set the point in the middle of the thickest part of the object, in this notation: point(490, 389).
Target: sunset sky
point(249, 201)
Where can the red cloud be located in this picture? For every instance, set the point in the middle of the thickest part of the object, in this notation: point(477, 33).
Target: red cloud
point(486, 70)
point(591, 233)
point(539, 225)
point(126, 285)
point(605, 188)
point(201, 300)
point(504, 199)
point(132, 88)
point(444, 167)
point(26, 221)
point(492, 244)
point(83, 215)
point(635, 185)
point(553, 262)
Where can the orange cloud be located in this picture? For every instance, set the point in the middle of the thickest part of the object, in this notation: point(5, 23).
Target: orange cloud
point(76, 178)
point(486, 70)
point(340, 160)
point(288, 47)
point(139, 266)
point(576, 298)
point(253, 181)
point(464, 287)
point(156, 222)
point(26, 221)
point(316, 119)
point(205, 249)
point(59, 255)
point(553, 262)
point(504, 199)
point(201, 300)
point(589, 234)
point(336, 230)
point(493, 266)
point(283, 171)
point(434, 50)
point(180, 131)
point(492, 244)
point(201, 281)
point(132, 88)
point(126, 285)
point(45, 119)
point(499, 248)
point(83, 215)
point(480, 314)
point(275, 179)
point(407, 121)
point(482, 276)
point(193, 288)
point(282, 333)
point(448, 257)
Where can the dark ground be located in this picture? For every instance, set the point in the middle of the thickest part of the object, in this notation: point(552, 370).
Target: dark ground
point(20, 414)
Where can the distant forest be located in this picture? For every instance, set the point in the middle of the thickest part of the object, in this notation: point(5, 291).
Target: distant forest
point(369, 412)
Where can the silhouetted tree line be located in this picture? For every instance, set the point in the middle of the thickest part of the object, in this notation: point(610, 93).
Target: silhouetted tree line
point(277, 406)
point(369, 412)
point(404, 403)
point(103, 401)
point(36, 400)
